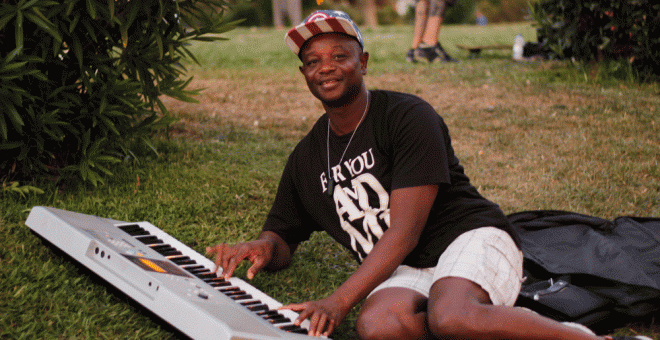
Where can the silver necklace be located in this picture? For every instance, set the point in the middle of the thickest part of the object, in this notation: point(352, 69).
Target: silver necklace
point(331, 181)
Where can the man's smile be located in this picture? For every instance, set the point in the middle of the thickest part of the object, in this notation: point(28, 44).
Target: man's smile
point(329, 82)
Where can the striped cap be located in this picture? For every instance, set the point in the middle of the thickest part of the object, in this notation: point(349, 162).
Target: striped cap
point(321, 22)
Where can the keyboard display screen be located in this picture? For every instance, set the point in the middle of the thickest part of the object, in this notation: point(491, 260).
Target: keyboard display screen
point(157, 266)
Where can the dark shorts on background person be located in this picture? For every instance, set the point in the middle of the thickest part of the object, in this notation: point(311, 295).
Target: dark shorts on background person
point(437, 8)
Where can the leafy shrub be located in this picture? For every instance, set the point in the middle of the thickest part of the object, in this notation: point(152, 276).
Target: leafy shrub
point(80, 80)
point(597, 30)
point(387, 15)
point(461, 12)
point(253, 13)
point(14, 188)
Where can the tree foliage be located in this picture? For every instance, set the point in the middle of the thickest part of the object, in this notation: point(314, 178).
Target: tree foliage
point(595, 30)
point(80, 80)
point(461, 12)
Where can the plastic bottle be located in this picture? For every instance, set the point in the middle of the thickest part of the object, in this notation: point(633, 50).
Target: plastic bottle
point(518, 44)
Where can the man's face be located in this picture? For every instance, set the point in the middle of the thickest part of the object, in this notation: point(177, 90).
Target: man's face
point(333, 66)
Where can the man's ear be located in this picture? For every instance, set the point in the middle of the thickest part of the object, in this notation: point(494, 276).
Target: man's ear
point(364, 59)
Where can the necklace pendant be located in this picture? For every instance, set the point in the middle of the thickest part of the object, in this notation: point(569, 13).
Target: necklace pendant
point(331, 187)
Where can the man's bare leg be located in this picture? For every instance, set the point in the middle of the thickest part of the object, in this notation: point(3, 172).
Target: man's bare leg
point(393, 314)
point(459, 308)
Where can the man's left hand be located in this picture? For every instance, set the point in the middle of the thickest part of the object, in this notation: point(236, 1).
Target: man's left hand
point(324, 315)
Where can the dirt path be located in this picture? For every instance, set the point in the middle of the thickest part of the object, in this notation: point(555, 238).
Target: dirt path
point(286, 105)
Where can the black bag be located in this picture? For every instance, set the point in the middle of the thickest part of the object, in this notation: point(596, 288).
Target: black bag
point(563, 301)
point(599, 273)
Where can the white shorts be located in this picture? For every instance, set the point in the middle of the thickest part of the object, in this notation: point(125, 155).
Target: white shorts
point(487, 256)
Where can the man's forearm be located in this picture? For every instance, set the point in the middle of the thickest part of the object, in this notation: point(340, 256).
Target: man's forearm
point(388, 253)
point(409, 210)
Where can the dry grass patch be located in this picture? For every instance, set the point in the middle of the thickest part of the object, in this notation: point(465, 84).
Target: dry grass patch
point(527, 146)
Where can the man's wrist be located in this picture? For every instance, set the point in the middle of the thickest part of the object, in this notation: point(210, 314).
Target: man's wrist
point(280, 256)
point(344, 299)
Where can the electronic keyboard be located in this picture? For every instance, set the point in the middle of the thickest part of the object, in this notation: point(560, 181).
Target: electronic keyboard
point(167, 277)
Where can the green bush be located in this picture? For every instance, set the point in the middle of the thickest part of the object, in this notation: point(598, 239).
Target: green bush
point(627, 32)
point(462, 12)
point(80, 80)
point(253, 13)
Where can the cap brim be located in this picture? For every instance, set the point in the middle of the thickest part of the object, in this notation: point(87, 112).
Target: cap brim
point(298, 35)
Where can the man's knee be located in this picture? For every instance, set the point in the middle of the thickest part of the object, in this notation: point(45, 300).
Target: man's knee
point(388, 319)
point(375, 327)
point(455, 324)
point(457, 308)
point(389, 326)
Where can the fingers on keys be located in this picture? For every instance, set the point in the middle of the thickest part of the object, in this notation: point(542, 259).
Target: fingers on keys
point(228, 257)
point(320, 322)
point(257, 263)
point(225, 257)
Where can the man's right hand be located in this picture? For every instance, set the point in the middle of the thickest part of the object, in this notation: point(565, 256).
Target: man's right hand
point(259, 252)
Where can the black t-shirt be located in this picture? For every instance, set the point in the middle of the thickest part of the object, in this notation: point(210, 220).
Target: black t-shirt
point(401, 142)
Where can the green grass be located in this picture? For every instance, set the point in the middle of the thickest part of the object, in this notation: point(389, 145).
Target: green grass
point(532, 135)
point(250, 48)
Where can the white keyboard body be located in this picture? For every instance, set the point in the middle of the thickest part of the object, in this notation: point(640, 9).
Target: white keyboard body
point(184, 300)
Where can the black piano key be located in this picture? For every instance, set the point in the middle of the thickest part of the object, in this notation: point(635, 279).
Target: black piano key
point(162, 247)
point(241, 297)
point(217, 282)
point(238, 295)
point(194, 269)
point(279, 319)
point(189, 268)
point(299, 330)
point(203, 274)
point(134, 230)
point(257, 308)
point(149, 239)
point(197, 270)
point(166, 250)
point(206, 273)
point(275, 316)
point(250, 303)
point(292, 328)
point(237, 292)
point(131, 227)
point(206, 276)
point(230, 289)
point(183, 260)
point(268, 313)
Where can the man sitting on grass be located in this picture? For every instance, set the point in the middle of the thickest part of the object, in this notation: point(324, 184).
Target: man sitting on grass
point(378, 173)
